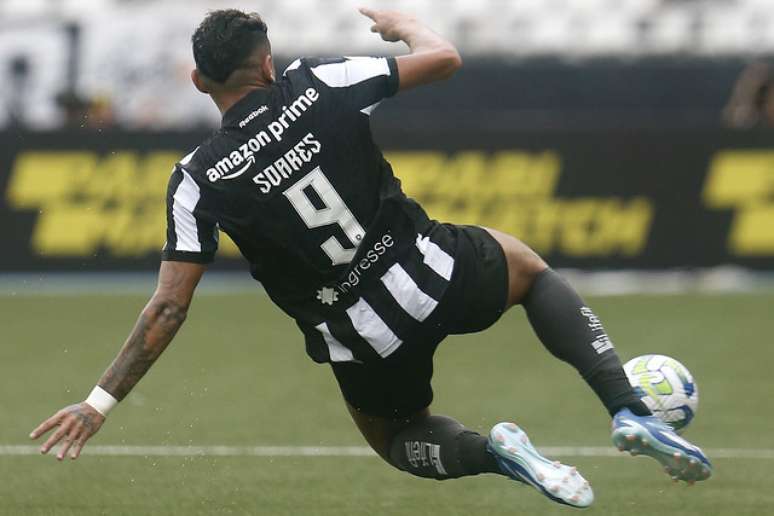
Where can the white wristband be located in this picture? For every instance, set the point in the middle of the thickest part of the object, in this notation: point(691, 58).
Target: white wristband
point(101, 400)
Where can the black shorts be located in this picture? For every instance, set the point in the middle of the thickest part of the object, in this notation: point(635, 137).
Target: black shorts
point(475, 299)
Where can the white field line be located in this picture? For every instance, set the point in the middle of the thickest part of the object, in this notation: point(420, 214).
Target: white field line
point(339, 451)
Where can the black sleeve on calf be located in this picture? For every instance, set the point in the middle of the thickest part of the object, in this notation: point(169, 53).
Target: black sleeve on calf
point(440, 447)
point(563, 322)
point(573, 333)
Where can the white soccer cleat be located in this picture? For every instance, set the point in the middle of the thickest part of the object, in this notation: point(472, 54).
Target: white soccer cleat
point(520, 460)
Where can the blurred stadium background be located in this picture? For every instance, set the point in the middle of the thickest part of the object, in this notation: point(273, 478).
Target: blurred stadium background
point(628, 141)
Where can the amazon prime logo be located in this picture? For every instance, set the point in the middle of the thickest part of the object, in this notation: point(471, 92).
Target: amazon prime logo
point(238, 161)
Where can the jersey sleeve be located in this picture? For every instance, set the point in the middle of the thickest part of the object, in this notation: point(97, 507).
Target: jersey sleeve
point(363, 82)
point(192, 236)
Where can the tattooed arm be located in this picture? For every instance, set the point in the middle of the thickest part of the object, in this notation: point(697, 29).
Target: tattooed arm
point(155, 328)
point(157, 325)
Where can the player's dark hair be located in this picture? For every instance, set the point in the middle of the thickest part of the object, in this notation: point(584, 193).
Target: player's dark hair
point(225, 39)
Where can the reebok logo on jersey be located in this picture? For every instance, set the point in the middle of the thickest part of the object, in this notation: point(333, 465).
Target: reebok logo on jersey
point(248, 118)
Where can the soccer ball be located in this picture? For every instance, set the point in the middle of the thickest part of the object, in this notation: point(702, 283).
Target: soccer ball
point(666, 387)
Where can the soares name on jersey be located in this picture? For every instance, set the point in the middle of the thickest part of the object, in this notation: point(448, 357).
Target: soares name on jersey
point(292, 161)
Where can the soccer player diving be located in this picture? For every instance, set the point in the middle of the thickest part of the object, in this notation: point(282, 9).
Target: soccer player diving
point(294, 177)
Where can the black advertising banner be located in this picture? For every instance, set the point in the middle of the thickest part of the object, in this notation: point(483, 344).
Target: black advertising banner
point(595, 200)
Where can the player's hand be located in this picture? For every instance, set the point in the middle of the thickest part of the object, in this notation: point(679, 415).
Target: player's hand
point(390, 25)
point(74, 426)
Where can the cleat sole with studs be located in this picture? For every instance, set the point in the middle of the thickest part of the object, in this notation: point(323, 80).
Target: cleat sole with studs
point(522, 462)
point(679, 466)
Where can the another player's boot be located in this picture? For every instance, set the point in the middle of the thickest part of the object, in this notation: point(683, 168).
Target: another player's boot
point(648, 435)
point(519, 460)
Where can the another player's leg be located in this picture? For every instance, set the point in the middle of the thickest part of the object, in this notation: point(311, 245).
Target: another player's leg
point(571, 331)
point(441, 448)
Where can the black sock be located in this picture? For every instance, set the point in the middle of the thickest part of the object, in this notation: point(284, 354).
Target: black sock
point(440, 447)
point(571, 332)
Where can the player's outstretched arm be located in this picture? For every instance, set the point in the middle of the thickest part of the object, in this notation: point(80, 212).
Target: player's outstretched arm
point(432, 57)
point(157, 325)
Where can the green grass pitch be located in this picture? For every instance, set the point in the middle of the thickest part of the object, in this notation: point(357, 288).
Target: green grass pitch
point(237, 375)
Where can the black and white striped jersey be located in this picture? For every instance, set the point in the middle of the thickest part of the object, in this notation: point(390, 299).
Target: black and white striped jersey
point(295, 179)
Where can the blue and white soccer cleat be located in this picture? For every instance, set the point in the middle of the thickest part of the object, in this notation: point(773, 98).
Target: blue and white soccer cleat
point(648, 435)
point(520, 460)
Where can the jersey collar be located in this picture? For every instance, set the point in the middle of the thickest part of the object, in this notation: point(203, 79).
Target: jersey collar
point(245, 106)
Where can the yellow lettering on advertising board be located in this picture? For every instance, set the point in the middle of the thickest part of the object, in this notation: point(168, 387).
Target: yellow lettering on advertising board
point(115, 203)
point(743, 181)
point(88, 203)
point(515, 192)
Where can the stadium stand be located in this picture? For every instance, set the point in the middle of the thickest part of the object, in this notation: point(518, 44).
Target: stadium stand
point(118, 48)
